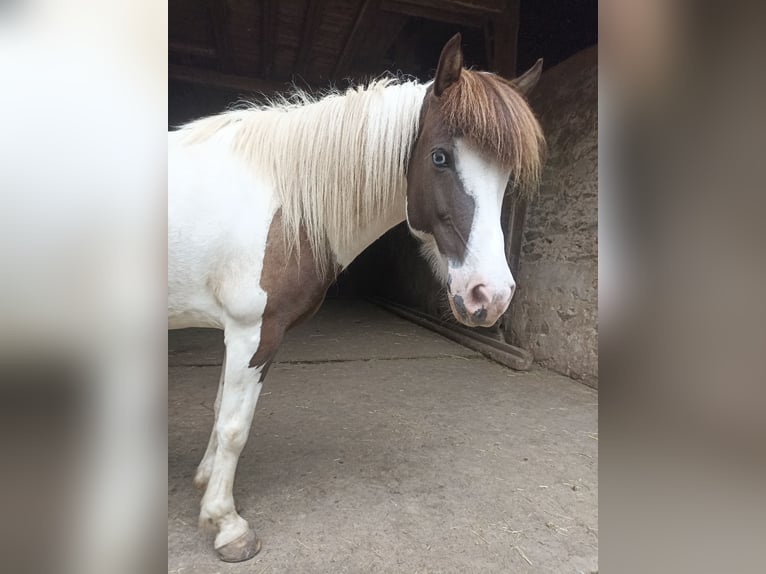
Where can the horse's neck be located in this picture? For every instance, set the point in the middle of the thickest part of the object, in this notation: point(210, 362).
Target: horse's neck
point(357, 186)
point(407, 99)
point(366, 235)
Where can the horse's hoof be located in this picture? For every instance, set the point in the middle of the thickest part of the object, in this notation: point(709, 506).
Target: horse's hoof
point(241, 549)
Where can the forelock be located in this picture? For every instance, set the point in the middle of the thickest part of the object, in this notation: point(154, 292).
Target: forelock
point(489, 111)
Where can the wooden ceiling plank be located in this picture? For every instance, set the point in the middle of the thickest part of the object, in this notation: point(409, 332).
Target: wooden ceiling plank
point(308, 34)
point(187, 49)
point(505, 30)
point(468, 17)
point(216, 79)
point(366, 8)
point(395, 28)
point(501, 35)
point(268, 36)
point(220, 14)
point(479, 6)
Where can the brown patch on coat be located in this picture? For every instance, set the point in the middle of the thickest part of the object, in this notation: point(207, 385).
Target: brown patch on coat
point(294, 290)
point(437, 202)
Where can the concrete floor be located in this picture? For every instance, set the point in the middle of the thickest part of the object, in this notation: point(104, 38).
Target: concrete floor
point(379, 446)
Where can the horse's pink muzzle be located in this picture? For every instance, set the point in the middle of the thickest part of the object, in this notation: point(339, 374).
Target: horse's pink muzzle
point(477, 302)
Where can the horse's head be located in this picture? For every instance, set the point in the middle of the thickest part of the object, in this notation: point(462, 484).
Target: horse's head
point(476, 132)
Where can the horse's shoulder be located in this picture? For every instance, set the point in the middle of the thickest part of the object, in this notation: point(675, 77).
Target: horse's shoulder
point(294, 289)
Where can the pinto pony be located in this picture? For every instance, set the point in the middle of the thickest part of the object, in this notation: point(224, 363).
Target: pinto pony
point(266, 205)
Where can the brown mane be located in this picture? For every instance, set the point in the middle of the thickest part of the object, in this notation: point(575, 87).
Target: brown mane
point(488, 110)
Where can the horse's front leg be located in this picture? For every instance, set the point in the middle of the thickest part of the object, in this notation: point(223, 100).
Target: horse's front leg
point(235, 540)
point(205, 467)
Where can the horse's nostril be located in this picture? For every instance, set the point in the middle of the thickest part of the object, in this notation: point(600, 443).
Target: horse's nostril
point(480, 295)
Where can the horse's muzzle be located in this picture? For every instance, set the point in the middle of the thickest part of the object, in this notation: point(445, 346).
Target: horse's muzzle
point(479, 305)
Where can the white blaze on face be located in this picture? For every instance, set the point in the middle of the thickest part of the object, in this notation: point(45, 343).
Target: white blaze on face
point(482, 285)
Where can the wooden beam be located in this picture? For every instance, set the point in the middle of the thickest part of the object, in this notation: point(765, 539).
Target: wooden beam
point(215, 79)
point(219, 20)
point(505, 31)
point(268, 36)
point(395, 23)
point(350, 47)
point(187, 49)
point(450, 14)
point(501, 34)
point(492, 347)
point(309, 31)
point(514, 215)
point(479, 7)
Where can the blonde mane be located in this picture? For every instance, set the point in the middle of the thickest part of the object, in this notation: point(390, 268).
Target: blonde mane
point(336, 162)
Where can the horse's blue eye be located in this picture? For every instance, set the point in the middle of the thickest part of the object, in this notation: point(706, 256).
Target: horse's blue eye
point(439, 158)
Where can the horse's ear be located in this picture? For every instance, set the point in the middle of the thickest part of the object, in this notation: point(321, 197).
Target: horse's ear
point(450, 64)
point(528, 80)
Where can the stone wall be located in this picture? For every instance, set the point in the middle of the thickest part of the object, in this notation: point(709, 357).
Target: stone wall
point(554, 312)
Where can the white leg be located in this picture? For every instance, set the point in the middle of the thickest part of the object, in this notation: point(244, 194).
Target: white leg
point(205, 467)
point(235, 540)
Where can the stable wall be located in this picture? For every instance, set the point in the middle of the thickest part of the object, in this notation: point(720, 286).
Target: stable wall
point(554, 311)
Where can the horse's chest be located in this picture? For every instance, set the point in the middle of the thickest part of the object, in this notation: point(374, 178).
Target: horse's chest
point(294, 290)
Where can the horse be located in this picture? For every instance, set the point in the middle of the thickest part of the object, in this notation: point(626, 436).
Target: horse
point(267, 204)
